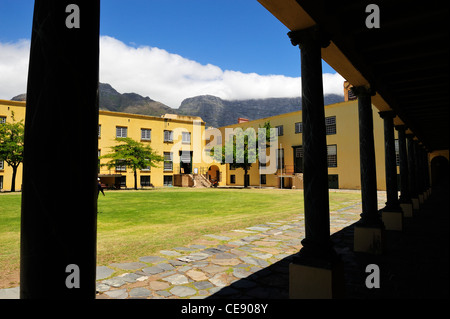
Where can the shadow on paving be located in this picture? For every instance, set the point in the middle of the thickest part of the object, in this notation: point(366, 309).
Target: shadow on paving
point(271, 282)
point(414, 265)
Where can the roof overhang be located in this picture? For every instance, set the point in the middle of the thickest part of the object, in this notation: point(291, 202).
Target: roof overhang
point(405, 60)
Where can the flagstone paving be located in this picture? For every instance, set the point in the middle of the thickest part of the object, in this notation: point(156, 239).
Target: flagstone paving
point(244, 263)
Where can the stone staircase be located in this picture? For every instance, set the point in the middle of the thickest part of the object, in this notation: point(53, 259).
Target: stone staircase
point(200, 181)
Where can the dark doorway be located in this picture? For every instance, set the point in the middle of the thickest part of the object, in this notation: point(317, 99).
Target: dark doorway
point(185, 162)
point(298, 159)
point(439, 171)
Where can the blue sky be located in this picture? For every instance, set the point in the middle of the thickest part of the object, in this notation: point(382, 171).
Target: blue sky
point(216, 42)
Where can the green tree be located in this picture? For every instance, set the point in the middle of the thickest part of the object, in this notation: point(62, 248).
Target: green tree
point(132, 154)
point(11, 145)
point(243, 149)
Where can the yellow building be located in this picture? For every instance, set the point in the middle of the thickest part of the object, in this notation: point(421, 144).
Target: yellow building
point(180, 139)
point(342, 148)
point(185, 145)
point(6, 110)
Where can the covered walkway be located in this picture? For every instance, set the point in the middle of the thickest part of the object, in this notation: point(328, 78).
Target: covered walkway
point(415, 264)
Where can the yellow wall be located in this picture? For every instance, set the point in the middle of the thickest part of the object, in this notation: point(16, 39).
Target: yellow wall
point(134, 123)
point(346, 139)
point(6, 109)
point(108, 122)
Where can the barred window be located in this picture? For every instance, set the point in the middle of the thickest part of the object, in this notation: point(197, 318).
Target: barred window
point(145, 181)
point(397, 153)
point(2, 119)
point(168, 180)
point(2, 165)
point(146, 134)
point(298, 127)
point(330, 125)
point(332, 155)
point(279, 129)
point(99, 130)
point(121, 131)
point(263, 179)
point(232, 179)
point(168, 161)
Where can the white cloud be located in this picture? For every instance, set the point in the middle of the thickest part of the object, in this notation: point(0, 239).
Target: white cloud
point(13, 68)
point(163, 76)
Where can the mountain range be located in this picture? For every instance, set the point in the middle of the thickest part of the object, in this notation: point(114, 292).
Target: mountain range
point(213, 110)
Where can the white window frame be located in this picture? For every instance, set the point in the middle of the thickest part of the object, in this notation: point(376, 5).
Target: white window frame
point(185, 137)
point(332, 155)
point(120, 130)
point(121, 168)
point(146, 134)
point(168, 136)
point(168, 161)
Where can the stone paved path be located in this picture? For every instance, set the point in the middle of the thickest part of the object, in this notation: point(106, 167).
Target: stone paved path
point(243, 263)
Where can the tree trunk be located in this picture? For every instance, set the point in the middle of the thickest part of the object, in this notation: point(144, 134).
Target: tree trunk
point(135, 180)
point(13, 182)
point(245, 178)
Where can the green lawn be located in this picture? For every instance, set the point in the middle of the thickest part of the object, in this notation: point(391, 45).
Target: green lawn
point(132, 224)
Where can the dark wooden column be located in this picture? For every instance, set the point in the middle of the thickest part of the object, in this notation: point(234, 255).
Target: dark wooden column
point(405, 195)
point(369, 216)
point(413, 191)
point(368, 231)
point(315, 169)
point(427, 173)
point(392, 203)
point(424, 170)
point(418, 171)
point(305, 281)
point(59, 207)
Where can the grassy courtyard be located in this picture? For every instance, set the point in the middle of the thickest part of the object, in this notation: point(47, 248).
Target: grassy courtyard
point(132, 224)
